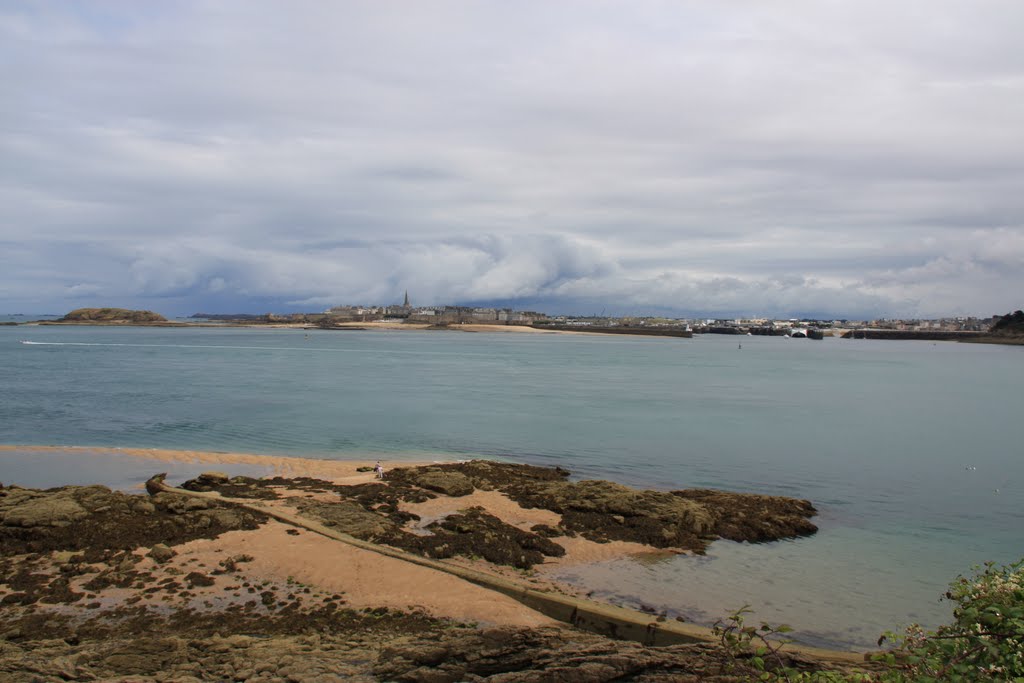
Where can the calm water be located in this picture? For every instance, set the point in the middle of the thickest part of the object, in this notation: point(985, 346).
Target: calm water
point(881, 436)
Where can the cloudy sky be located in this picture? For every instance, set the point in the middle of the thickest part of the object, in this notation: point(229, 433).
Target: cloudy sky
point(850, 159)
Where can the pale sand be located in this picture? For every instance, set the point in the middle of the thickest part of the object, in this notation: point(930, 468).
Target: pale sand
point(577, 550)
point(480, 327)
point(336, 471)
point(456, 327)
point(498, 504)
point(366, 579)
point(369, 579)
point(382, 325)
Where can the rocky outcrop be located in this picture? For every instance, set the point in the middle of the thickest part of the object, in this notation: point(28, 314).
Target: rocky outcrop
point(521, 656)
point(753, 517)
point(96, 518)
point(350, 518)
point(600, 511)
point(83, 615)
point(605, 511)
point(453, 484)
point(341, 645)
point(476, 533)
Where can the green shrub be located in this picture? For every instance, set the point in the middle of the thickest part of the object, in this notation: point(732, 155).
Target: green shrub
point(985, 641)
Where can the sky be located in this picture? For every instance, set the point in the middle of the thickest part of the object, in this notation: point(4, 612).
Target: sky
point(855, 159)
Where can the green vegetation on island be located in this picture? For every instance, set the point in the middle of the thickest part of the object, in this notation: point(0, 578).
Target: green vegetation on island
point(112, 316)
point(1011, 324)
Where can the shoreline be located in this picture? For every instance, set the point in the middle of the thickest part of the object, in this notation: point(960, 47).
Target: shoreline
point(343, 473)
point(345, 326)
point(228, 564)
point(281, 465)
point(880, 335)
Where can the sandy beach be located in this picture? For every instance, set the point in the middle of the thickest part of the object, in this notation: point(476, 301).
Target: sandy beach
point(336, 471)
point(96, 559)
point(462, 327)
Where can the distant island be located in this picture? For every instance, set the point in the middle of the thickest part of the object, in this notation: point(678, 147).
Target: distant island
point(111, 316)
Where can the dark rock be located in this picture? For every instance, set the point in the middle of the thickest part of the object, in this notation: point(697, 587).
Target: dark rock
point(754, 517)
point(94, 518)
point(453, 484)
point(194, 579)
point(58, 510)
point(476, 532)
point(161, 553)
point(605, 511)
point(350, 518)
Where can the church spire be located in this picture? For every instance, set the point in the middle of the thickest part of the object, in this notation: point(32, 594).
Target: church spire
point(406, 302)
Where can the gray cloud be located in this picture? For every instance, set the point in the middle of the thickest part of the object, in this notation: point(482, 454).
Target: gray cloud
point(855, 159)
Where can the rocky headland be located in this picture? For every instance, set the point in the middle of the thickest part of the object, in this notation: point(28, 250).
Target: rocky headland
point(101, 585)
point(1008, 329)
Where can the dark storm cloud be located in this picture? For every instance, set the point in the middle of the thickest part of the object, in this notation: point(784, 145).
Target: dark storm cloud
point(848, 158)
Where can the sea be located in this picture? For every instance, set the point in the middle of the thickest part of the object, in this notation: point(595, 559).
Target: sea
point(910, 450)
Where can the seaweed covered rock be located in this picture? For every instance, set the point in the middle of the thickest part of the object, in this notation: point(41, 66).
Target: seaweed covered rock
point(334, 645)
point(232, 487)
point(29, 510)
point(600, 511)
point(514, 655)
point(475, 532)
point(90, 517)
point(605, 511)
point(454, 484)
point(754, 517)
point(350, 518)
point(482, 474)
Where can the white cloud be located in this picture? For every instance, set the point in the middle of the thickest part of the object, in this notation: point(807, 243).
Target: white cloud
point(832, 157)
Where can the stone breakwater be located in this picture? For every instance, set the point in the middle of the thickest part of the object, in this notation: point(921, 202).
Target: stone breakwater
point(100, 584)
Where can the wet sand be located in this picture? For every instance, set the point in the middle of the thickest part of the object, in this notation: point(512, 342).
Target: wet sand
point(335, 471)
point(368, 579)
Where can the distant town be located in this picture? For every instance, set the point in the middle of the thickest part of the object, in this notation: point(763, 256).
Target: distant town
point(448, 316)
point(1005, 329)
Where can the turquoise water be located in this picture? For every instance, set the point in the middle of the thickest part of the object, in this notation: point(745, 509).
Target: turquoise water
point(881, 435)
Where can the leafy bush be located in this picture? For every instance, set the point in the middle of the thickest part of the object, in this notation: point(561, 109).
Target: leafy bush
point(985, 641)
point(757, 654)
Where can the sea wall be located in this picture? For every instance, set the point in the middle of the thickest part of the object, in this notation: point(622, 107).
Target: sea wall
point(643, 331)
point(925, 335)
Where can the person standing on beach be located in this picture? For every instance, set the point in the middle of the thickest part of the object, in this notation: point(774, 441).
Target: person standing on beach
point(379, 470)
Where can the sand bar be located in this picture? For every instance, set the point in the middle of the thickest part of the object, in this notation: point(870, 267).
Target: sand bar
point(336, 471)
